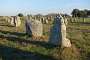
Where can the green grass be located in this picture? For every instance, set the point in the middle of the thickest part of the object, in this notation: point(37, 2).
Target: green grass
point(79, 34)
point(21, 48)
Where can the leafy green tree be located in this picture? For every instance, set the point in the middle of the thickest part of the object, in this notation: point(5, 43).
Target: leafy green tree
point(82, 14)
point(88, 12)
point(75, 12)
point(20, 15)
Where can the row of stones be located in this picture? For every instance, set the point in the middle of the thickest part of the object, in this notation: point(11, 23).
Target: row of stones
point(35, 28)
point(58, 32)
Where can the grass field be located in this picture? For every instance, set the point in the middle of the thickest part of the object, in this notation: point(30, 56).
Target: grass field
point(15, 45)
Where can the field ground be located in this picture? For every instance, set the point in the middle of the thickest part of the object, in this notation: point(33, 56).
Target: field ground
point(15, 45)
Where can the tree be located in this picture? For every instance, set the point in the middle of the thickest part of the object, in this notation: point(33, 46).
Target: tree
point(75, 12)
point(88, 12)
point(82, 14)
point(20, 15)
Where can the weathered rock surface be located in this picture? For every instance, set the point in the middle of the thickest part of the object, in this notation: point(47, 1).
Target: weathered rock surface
point(34, 27)
point(58, 33)
point(12, 22)
point(18, 22)
point(15, 21)
point(55, 36)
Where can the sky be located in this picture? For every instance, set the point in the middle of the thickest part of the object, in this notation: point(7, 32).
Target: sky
point(13, 7)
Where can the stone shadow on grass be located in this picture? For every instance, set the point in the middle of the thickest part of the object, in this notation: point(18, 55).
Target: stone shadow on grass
point(13, 33)
point(23, 40)
point(6, 25)
point(88, 56)
point(10, 53)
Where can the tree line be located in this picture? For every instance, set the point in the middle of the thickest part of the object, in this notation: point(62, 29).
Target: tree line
point(80, 13)
point(74, 13)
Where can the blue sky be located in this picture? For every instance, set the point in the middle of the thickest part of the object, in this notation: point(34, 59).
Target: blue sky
point(13, 7)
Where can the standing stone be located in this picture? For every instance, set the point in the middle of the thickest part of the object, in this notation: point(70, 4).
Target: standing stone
point(55, 37)
point(46, 21)
point(65, 42)
point(65, 21)
point(58, 33)
point(6, 19)
point(18, 21)
point(43, 20)
point(13, 22)
point(40, 20)
point(34, 28)
point(28, 30)
point(9, 19)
